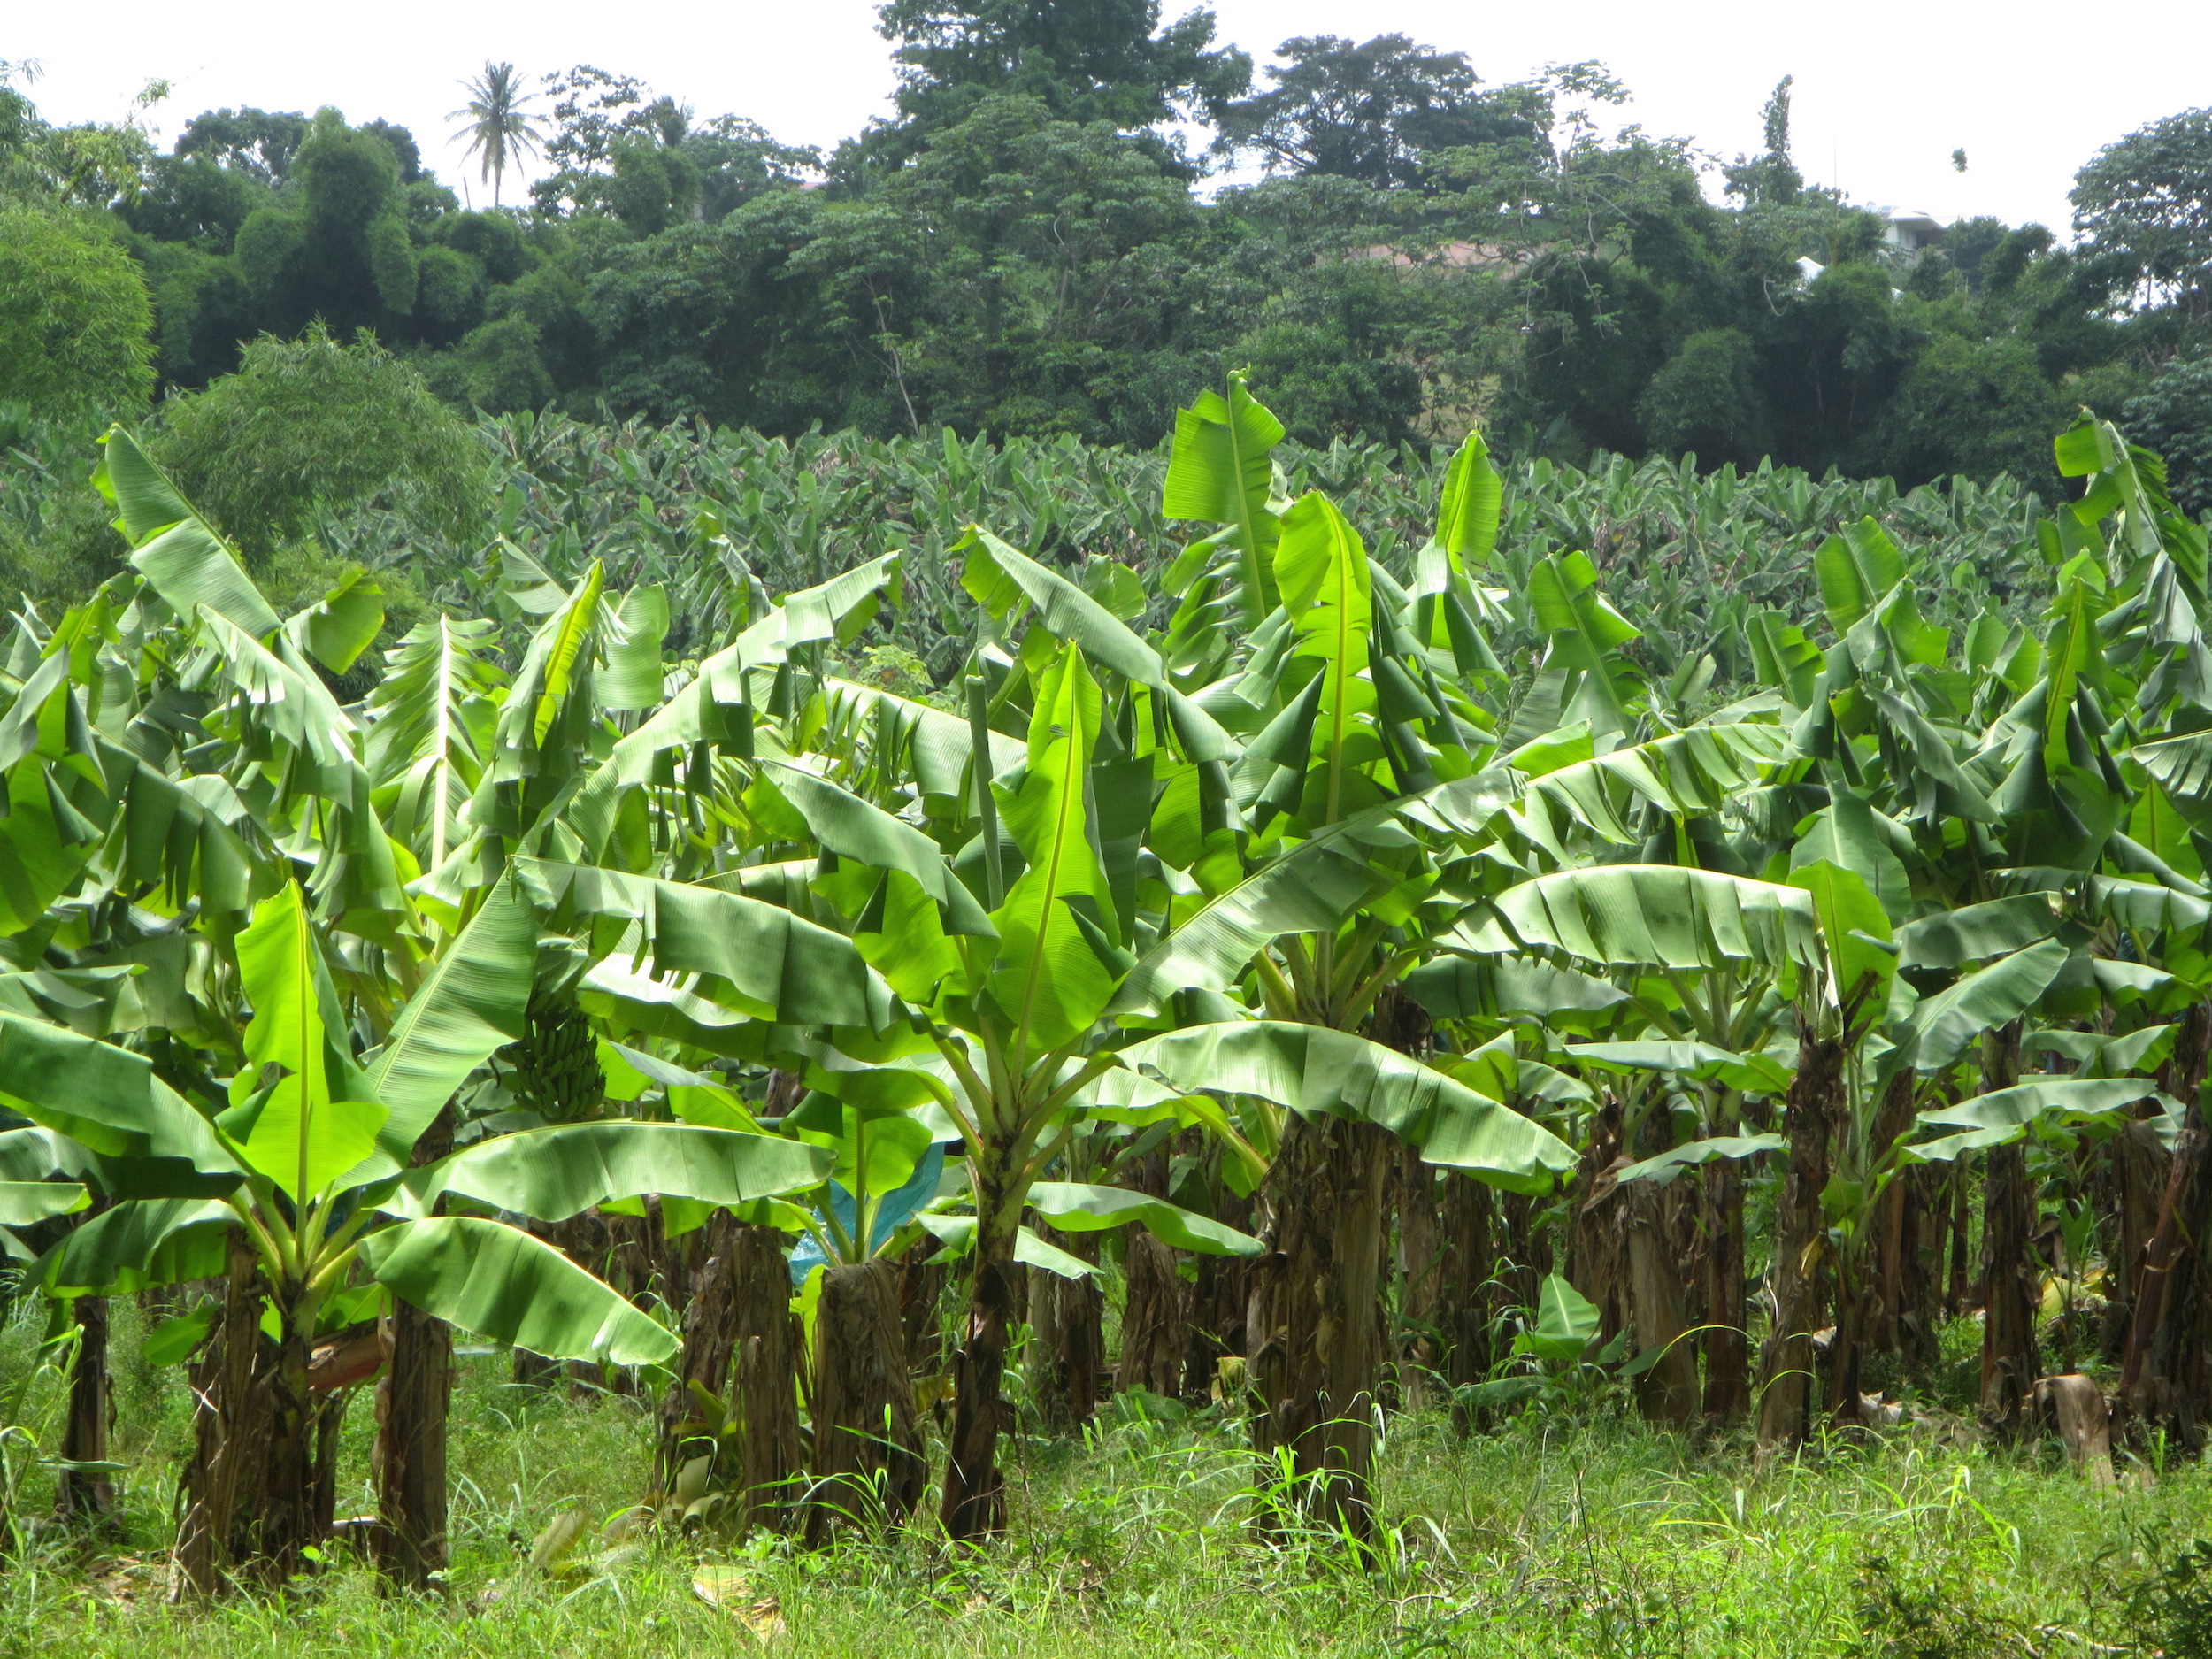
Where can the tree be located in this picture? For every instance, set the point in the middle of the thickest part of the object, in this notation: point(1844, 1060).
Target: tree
point(1372, 112)
point(1321, 909)
point(326, 425)
point(592, 107)
point(2174, 417)
point(335, 248)
point(497, 125)
point(1974, 407)
point(2145, 206)
point(1087, 60)
point(1706, 400)
point(257, 143)
point(1771, 179)
point(75, 320)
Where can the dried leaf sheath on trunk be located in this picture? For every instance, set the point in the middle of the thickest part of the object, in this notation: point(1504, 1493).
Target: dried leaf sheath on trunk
point(740, 1361)
point(974, 1504)
point(1667, 1393)
point(1315, 1325)
point(1067, 1340)
point(248, 1496)
point(1155, 1304)
point(2166, 1375)
point(1727, 1397)
point(1813, 1106)
point(2011, 1271)
point(83, 1495)
point(412, 1403)
point(868, 1463)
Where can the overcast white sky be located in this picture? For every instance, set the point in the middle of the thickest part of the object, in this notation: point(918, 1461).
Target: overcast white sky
point(1885, 90)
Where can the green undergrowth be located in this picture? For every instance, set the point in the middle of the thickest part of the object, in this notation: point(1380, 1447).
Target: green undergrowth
point(1584, 1535)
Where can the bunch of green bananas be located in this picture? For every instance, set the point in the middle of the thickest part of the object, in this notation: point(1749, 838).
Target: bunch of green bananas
point(556, 1066)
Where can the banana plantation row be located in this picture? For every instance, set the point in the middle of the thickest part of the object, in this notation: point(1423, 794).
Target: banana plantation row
point(1444, 1001)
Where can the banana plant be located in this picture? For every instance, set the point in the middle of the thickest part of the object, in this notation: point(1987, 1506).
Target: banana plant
point(301, 1187)
point(1316, 886)
point(1707, 966)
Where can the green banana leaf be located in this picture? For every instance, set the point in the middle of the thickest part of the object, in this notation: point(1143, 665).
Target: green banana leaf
point(501, 1283)
point(1750, 1073)
point(1856, 570)
point(1853, 928)
point(1973, 933)
point(1686, 773)
point(1566, 1323)
point(1851, 835)
point(1506, 988)
point(1667, 1165)
point(957, 1234)
point(843, 824)
point(1318, 1072)
point(105, 1099)
point(139, 1243)
point(762, 962)
point(1219, 472)
point(472, 1001)
point(1321, 568)
point(2006, 1114)
point(554, 1173)
point(1000, 577)
point(344, 623)
point(1666, 916)
point(1944, 1024)
point(178, 552)
point(1050, 978)
point(1467, 507)
point(631, 674)
point(304, 1129)
point(1585, 633)
point(1310, 889)
point(23, 1202)
point(1078, 1207)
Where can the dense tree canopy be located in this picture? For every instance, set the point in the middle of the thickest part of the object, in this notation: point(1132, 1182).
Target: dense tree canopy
point(1085, 60)
point(1372, 112)
point(1025, 248)
point(75, 322)
point(2145, 205)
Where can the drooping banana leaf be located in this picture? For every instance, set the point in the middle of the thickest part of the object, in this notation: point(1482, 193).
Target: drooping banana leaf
point(139, 1243)
point(501, 1283)
point(1078, 1207)
point(187, 563)
point(1974, 933)
point(1502, 987)
point(2006, 1114)
point(1311, 888)
point(1944, 1024)
point(105, 1099)
point(1758, 1074)
point(1667, 1165)
point(760, 960)
point(1316, 1072)
point(551, 1174)
point(1666, 916)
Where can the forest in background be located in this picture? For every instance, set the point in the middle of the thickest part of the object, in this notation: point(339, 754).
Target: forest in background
point(1040, 241)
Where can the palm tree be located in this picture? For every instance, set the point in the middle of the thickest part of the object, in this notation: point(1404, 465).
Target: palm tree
point(498, 129)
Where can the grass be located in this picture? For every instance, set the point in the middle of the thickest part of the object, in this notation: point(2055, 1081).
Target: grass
point(1586, 1534)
